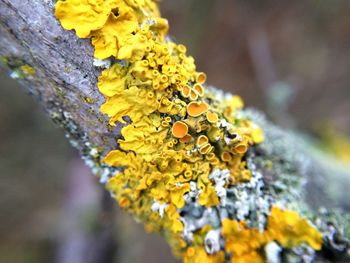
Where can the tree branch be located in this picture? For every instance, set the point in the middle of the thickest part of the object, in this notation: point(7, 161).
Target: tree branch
point(65, 78)
point(65, 81)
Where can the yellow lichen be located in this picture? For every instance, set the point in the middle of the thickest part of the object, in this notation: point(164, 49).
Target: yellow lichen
point(202, 140)
point(179, 129)
point(175, 133)
point(199, 255)
point(84, 16)
point(284, 226)
point(212, 117)
point(290, 230)
point(242, 243)
point(201, 77)
point(208, 196)
point(27, 70)
point(195, 109)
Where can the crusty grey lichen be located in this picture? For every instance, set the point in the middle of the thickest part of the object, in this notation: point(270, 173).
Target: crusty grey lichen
point(289, 174)
point(91, 155)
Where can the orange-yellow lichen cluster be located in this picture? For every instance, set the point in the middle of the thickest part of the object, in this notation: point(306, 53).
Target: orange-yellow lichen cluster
point(245, 245)
point(112, 25)
point(283, 226)
point(179, 131)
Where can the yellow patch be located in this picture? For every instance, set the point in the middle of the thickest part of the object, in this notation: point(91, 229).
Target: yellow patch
point(284, 226)
point(177, 132)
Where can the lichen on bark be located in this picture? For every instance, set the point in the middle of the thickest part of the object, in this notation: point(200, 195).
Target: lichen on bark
point(281, 166)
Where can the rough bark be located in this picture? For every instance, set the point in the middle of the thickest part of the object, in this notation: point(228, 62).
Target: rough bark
point(65, 81)
point(65, 78)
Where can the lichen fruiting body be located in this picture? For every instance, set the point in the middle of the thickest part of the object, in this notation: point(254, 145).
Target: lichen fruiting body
point(182, 152)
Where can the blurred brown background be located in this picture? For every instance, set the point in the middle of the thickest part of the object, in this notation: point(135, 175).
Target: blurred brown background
point(290, 59)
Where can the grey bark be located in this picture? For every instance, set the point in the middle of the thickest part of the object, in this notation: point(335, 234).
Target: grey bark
point(65, 77)
point(65, 82)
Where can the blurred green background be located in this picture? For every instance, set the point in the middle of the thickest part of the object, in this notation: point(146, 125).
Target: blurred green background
point(287, 58)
